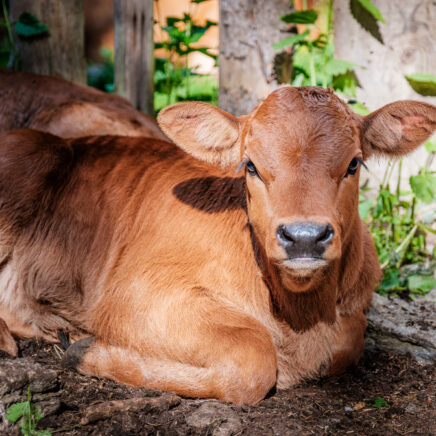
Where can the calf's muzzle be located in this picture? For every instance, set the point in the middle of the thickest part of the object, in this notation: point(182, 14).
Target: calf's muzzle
point(305, 239)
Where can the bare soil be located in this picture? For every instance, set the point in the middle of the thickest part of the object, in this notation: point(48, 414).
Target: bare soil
point(334, 406)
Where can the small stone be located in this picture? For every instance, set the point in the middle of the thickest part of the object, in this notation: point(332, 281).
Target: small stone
point(348, 409)
point(412, 409)
point(215, 419)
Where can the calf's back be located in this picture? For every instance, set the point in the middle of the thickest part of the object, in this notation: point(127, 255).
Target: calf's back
point(67, 109)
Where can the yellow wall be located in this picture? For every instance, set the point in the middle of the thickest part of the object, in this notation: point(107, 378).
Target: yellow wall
point(200, 12)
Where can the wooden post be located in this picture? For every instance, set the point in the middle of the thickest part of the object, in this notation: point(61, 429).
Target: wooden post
point(134, 52)
point(61, 51)
point(248, 30)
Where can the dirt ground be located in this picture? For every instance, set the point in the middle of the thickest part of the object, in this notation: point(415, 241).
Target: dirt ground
point(334, 406)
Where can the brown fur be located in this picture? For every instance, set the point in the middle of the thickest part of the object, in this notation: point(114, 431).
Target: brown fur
point(67, 109)
point(172, 264)
point(7, 342)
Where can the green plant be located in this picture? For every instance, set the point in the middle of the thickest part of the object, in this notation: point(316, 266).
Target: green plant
point(29, 416)
point(27, 26)
point(380, 403)
point(101, 75)
point(399, 222)
point(422, 83)
point(173, 78)
point(313, 61)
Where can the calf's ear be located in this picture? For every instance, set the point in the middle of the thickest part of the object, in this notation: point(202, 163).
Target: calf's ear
point(397, 128)
point(204, 131)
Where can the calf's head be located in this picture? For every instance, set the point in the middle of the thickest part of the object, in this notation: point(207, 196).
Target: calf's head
point(302, 150)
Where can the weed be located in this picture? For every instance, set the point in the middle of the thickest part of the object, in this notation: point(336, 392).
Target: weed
point(173, 78)
point(380, 403)
point(27, 26)
point(399, 222)
point(101, 75)
point(29, 416)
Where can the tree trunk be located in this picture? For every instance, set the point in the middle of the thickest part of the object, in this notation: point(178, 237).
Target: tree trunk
point(409, 47)
point(134, 47)
point(248, 29)
point(408, 36)
point(60, 52)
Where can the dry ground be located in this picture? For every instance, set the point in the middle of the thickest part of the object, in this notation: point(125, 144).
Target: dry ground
point(334, 406)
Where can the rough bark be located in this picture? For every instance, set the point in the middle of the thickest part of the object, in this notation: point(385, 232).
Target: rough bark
point(134, 61)
point(60, 52)
point(408, 35)
point(248, 30)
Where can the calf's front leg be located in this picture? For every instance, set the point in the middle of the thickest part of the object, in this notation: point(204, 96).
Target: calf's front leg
point(207, 350)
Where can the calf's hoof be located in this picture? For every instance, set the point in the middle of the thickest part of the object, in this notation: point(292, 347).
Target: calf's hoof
point(75, 352)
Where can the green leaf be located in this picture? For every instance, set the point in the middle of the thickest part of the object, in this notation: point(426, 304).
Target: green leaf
point(28, 25)
point(423, 186)
point(422, 83)
point(17, 411)
point(365, 208)
point(37, 415)
point(367, 4)
point(365, 19)
point(346, 84)
point(198, 1)
point(193, 38)
point(380, 403)
point(290, 40)
point(429, 229)
point(421, 283)
point(430, 146)
point(359, 108)
point(391, 281)
point(173, 20)
point(339, 66)
point(321, 42)
point(300, 17)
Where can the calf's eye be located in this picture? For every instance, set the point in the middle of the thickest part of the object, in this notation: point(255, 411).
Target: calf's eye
point(251, 168)
point(352, 168)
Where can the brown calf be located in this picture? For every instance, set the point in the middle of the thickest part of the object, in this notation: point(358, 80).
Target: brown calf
point(67, 109)
point(186, 276)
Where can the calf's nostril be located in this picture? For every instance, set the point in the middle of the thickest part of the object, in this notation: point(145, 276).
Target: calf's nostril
point(326, 234)
point(284, 234)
